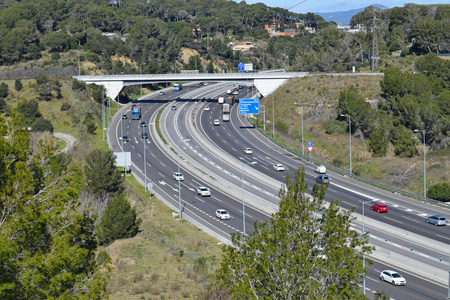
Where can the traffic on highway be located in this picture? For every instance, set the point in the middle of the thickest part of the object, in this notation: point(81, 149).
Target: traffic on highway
point(224, 175)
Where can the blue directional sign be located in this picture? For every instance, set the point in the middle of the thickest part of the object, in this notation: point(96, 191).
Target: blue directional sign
point(310, 144)
point(248, 106)
point(241, 67)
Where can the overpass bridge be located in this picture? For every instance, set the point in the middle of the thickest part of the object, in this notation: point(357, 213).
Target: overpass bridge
point(265, 82)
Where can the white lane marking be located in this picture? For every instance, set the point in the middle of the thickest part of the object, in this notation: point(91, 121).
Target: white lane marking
point(152, 154)
point(196, 182)
point(264, 166)
point(236, 142)
point(161, 174)
point(445, 237)
point(162, 163)
point(394, 220)
point(139, 155)
point(233, 149)
point(411, 219)
point(373, 279)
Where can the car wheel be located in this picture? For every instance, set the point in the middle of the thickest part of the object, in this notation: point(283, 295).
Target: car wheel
point(393, 282)
point(435, 223)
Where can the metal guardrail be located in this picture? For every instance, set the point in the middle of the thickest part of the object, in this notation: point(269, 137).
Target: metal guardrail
point(359, 178)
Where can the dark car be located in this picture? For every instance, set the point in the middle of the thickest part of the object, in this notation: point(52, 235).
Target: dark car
point(174, 107)
point(144, 135)
point(143, 124)
point(125, 139)
point(323, 179)
point(124, 117)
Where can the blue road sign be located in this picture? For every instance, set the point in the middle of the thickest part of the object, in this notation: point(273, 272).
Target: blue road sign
point(310, 144)
point(248, 106)
point(240, 67)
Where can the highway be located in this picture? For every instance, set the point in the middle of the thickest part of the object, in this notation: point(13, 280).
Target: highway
point(214, 157)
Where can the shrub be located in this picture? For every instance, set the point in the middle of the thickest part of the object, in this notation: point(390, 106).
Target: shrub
point(4, 90)
point(378, 143)
point(18, 84)
point(281, 125)
point(439, 191)
point(91, 127)
point(118, 222)
point(65, 106)
point(78, 85)
point(42, 124)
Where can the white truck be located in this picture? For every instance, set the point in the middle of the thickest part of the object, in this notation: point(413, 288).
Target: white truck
point(226, 112)
point(221, 100)
point(229, 92)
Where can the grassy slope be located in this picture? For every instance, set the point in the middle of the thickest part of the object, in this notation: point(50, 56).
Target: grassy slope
point(319, 96)
point(148, 266)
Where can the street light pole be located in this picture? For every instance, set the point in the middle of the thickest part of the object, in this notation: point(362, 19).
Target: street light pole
point(425, 172)
point(350, 134)
point(273, 116)
point(243, 192)
point(264, 118)
point(364, 256)
point(145, 164)
point(303, 143)
point(179, 181)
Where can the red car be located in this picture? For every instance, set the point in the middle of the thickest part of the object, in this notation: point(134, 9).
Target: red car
point(379, 207)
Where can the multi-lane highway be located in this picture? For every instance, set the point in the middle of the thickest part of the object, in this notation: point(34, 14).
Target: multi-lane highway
point(214, 157)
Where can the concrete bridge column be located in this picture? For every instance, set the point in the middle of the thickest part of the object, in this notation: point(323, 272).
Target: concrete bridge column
point(113, 88)
point(268, 86)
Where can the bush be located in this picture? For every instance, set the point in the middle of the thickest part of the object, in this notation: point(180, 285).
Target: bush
point(18, 84)
point(78, 85)
point(378, 143)
point(439, 191)
point(281, 125)
point(3, 106)
point(4, 90)
point(65, 106)
point(118, 222)
point(42, 124)
point(91, 127)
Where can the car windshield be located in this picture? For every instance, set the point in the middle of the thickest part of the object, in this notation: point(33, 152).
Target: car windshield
point(396, 275)
point(223, 212)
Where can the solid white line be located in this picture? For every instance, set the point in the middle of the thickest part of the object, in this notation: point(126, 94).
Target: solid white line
point(394, 220)
point(445, 237)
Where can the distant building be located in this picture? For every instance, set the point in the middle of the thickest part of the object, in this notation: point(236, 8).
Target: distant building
point(113, 35)
point(245, 46)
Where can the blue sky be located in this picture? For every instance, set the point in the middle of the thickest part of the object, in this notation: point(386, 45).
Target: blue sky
point(336, 5)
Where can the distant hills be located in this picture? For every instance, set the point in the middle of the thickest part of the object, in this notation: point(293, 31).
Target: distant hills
point(344, 17)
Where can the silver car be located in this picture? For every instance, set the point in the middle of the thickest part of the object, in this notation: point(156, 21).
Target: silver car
point(436, 220)
point(222, 214)
point(178, 176)
point(203, 191)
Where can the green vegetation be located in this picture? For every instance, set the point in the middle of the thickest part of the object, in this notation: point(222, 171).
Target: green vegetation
point(297, 254)
point(118, 222)
point(439, 191)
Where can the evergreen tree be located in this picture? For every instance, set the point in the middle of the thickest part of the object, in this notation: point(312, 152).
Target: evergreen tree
point(18, 84)
point(378, 143)
point(103, 178)
point(306, 251)
point(439, 191)
point(47, 249)
point(118, 222)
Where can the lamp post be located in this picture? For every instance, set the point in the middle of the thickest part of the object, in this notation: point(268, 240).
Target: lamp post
point(145, 162)
point(179, 181)
point(424, 168)
point(264, 117)
point(273, 116)
point(140, 73)
point(350, 134)
point(243, 192)
point(218, 61)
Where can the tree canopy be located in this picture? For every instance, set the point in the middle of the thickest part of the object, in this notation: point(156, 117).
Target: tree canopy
point(306, 251)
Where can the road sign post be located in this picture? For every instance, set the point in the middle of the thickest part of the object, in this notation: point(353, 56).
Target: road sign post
point(310, 148)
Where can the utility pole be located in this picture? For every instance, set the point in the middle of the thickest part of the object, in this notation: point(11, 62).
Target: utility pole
point(374, 40)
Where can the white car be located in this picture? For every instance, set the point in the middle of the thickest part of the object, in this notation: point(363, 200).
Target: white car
point(321, 169)
point(178, 176)
point(235, 93)
point(392, 277)
point(203, 191)
point(161, 93)
point(207, 108)
point(278, 167)
point(216, 122)
point(248, 151)
point(222, 214)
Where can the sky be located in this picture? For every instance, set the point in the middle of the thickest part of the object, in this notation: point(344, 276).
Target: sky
point(336, 5)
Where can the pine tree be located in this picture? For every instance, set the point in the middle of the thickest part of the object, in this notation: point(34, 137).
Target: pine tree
point(118, 222)
point(306, 251)
point(103, 178)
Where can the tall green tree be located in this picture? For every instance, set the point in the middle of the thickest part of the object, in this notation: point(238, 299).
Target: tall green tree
point(297, 254)
point(102, 176)
point(118, 221)
point(47, 248)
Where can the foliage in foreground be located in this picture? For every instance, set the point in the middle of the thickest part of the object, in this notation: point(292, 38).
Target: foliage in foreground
point(296, 254)
point(47, 248)
point(439, 191)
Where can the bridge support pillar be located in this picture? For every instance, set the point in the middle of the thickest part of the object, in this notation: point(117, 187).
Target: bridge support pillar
point(113, 88)
point(268, 86)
